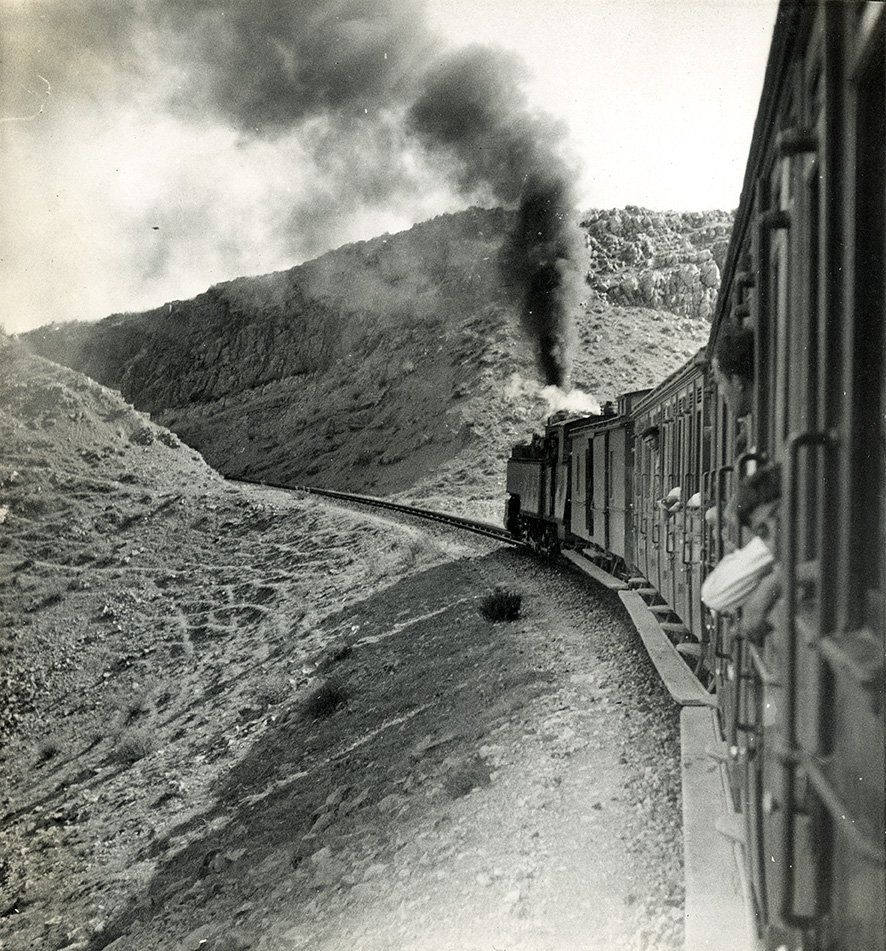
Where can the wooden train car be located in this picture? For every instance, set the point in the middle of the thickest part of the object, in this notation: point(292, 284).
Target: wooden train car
point(537, 487)
point(650, 492)
point(601, 484)
point(807, 273)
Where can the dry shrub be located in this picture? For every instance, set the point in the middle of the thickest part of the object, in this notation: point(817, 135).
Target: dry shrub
point(134, 745)
point(501, 605)
point(48, 749)
point(134, 706)
point(467, 776)
point(402, 556)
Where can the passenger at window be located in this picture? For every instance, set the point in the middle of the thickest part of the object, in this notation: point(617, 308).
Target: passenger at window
point(672, 502)
point(733, 371)
point(733, 368)
point(757, 506)
point(651, 437)
point(740, 574)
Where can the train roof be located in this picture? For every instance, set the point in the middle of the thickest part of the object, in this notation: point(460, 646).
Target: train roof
point(695, 364)
point(785, 33)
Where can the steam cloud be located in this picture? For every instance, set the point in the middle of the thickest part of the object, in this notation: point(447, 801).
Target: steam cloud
point(357, 91)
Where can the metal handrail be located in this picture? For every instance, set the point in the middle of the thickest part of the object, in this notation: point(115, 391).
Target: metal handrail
point(790, 755)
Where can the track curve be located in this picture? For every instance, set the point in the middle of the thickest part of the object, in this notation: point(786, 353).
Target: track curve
point(471, 525)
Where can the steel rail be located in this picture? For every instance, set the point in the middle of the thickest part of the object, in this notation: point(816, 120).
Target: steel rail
point(471, 525)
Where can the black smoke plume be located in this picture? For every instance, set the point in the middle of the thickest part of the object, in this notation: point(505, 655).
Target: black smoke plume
point(473, 108)
point(357, 86)
point(540, 261)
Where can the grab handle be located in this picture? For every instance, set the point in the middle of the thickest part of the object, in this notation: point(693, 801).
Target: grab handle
point(790, 755)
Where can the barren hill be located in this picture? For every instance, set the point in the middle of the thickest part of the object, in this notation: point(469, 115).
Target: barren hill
point(239, 719)
point(397, 365)
point(164, 633)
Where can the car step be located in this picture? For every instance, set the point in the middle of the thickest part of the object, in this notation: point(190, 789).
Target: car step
point(674, 627)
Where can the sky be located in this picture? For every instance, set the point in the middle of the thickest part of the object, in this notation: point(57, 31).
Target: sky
point(152, 149)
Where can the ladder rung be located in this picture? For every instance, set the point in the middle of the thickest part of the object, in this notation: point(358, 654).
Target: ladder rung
point(660, 608)
point(646, 592)
point(673, 627)
point(719, 752)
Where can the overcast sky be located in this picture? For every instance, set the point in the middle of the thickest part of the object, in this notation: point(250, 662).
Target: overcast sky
point(151, 150)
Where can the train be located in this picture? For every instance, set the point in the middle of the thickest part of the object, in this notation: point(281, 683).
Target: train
point(650, 489)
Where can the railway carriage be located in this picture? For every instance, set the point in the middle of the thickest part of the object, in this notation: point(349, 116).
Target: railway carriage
point(802, 708)
point(601, 477)
point(669, 515)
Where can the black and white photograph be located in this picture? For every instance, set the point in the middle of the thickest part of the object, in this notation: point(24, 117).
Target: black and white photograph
point(442, 475)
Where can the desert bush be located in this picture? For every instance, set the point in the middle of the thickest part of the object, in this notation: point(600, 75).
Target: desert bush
point(402, 555)
point(143, 436)
point(501, 605)
point(467, 776)
point(325, 699)
point(133, 706)
point(48, 749)
point(365, 458)
point(134, 745)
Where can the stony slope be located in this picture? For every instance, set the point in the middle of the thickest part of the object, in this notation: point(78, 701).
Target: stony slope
point(172, 778)
point(397, 365)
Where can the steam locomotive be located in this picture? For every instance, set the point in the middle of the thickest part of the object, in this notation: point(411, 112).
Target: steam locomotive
point(801, 710)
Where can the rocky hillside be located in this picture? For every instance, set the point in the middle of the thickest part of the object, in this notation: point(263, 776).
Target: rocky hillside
point(667, 261)
point(396, 365)
point(239, 719)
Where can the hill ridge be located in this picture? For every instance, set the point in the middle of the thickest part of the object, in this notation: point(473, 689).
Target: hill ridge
point(380, 365)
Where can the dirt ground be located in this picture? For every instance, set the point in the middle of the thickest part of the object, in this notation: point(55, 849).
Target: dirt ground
point(237, 718)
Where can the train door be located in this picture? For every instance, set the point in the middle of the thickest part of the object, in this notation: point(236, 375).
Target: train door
point(618, 501)
point(589, 487)
point(656, 481)
point(578, 482)
point(695, 507)
point(761, 672)
point(601, 489)
point(686, 481)
point(667, 520)
point(643, 475)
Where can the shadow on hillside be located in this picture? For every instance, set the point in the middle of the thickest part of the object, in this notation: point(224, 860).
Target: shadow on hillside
point(426, 679)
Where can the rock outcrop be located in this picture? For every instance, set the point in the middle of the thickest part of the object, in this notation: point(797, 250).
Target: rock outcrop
point(664, 261)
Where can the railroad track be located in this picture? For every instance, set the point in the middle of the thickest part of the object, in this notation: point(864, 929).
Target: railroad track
point(676, 675)
point(468, 524)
